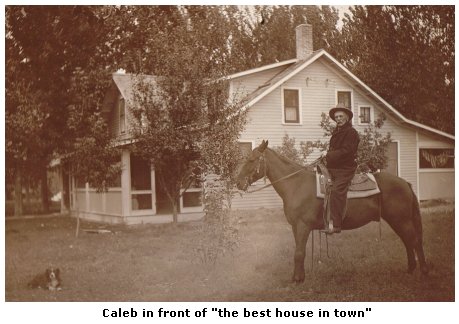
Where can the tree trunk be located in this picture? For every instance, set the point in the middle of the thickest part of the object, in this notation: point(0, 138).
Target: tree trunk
point(44, 191)
point(172, 198)
point(18, 206)
point(174, 211)
point(229, 194)
point(27, 194)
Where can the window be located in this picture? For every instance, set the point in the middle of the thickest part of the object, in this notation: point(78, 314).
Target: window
point(140, 174)
point(191, 199)
point(436, 158)
point(141, 192)
point(291, 106)
point(392, 158)
point(365, 115)
point(245, 149)
point(141, 201)
point(121, 104)
point(345, 98)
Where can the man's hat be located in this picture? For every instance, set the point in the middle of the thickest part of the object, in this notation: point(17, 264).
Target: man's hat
point(340, 107)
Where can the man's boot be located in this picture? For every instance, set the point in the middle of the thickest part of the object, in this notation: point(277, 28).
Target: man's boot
point(331, 229)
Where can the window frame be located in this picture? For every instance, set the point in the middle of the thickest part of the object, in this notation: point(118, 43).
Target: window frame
point(371, 114)
point(151, 192)
point(194, 209)
point(191, 189)
point(421, 169)
point(352, 99)
point(300, 104)
point(252, 143)
point(398, 162)
point(122, 117)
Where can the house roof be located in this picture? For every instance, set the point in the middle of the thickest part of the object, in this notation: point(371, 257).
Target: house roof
point(123, 84)
point(295, 66)
point(260, 69)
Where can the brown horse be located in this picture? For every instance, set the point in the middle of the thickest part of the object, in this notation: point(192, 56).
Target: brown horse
point(396, 204)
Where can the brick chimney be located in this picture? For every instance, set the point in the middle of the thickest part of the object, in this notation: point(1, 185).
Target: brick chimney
point(303, 41)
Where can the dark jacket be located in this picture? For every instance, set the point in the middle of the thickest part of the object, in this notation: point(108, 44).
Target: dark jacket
point(343, 148)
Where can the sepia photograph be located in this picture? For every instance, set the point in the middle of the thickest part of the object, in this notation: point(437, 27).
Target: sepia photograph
point(229, 153)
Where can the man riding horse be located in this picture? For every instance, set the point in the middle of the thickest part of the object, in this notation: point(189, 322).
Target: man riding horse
point(341, 164)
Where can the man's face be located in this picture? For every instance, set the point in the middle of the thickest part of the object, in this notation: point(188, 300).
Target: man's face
point(341, 118)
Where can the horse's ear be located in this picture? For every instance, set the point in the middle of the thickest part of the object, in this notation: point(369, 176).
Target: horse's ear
point(263, 146)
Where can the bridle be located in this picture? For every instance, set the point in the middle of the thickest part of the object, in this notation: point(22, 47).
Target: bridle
point(262, 160)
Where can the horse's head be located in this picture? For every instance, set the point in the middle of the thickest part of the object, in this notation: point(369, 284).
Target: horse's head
point(254, 167)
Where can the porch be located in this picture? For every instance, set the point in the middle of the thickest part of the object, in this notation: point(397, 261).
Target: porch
point(136, 197)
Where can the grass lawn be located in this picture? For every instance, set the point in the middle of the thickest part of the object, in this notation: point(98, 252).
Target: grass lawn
point(160, 262)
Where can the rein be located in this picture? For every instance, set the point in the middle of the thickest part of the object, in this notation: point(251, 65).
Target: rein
point(314, 163)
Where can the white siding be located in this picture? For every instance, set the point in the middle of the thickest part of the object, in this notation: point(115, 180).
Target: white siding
point(426, 141)
point(266, 198)
point(436, 184)
point(242, 86)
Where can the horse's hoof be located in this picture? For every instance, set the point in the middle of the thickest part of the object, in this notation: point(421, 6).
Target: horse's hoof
point(411, 270)
point(298, 279)
point(425, 271)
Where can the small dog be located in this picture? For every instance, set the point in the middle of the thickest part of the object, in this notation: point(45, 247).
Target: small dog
point(50, 280)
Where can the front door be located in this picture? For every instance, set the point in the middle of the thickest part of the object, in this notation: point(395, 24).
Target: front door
point(392, 155)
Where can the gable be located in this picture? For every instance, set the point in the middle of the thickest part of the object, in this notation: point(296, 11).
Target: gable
point(339, 70)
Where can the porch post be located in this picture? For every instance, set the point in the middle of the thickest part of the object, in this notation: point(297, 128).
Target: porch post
point(61, 188)
point(153, 189)
point(126, 183)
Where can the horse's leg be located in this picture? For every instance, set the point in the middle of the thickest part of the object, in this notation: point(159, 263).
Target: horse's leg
point(421, 257)
point(301, 232)
point(407, 234)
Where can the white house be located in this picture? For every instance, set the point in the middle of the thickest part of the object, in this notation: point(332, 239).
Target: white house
point(282, 98)
point(289, 97)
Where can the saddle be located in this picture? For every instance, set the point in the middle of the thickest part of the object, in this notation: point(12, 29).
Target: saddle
point(362, 185)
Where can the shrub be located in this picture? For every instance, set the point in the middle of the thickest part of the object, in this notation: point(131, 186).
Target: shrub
point(218, 232)
point(371, 154)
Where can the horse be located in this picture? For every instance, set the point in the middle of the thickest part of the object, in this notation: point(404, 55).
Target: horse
point(396, 203)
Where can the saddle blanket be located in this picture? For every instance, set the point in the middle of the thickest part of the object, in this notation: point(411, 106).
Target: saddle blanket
point(362, 185)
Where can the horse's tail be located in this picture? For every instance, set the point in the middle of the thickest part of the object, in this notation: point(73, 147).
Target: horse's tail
point(416, 215)
point(417, 223)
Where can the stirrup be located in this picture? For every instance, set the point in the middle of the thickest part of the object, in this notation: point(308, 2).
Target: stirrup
point(331, 230)
point(328, 229)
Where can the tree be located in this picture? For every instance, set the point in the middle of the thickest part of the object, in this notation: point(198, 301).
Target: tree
point(267, 34)
point(185, 106)
point(92, 154)
point(289, 149)
point(25, 120)
point(406, 54)
point(24, 126)
point(44, 50)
